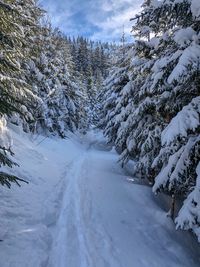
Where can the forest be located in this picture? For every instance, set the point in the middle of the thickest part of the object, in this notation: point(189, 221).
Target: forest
point(144, 96)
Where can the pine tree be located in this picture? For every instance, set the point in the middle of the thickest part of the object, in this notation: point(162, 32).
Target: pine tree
point(15, 94)
point(154, 92)
point(160, 125)
point(154, 119)
point(113, 110)
point(176, 77)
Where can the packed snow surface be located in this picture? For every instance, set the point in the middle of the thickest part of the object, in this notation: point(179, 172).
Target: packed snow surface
point(80, 210)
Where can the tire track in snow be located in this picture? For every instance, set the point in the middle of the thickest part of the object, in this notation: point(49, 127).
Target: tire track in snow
point(67, 246)
point(80, 240)
point(100, 247)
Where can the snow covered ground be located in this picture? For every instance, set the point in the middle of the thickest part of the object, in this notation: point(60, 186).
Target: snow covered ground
point(78, 210)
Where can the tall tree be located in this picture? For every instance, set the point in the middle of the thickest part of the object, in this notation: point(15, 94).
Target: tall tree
point(15, 93)
point(161, 127)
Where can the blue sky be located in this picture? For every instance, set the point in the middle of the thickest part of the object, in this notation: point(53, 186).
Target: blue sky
point(97, 19)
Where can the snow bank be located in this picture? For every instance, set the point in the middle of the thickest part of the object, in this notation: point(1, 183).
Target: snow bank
point(27, 213)
point(79, 210)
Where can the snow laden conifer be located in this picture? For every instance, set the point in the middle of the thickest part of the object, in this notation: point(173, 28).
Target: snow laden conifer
point(138, 133)
point(161, 127)
point(15, 93)
point(165, 78)
point(91, 62)
point(189, 215)
point(51, 76)
point(117, 79)
point(32, 15)
point(176, 73)
point(175, 77)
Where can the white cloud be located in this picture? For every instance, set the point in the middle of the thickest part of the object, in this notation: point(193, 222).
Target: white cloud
point(111, 27)
point(104, 17)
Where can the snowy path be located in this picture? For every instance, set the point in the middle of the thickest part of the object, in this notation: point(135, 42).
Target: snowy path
point(106, 222)
point(80, 239)
point(79, 211)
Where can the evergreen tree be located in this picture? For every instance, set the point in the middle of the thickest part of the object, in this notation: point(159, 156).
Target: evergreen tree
point(51, 75)
point(113, 110)
point(15, 93)
point(159, 124)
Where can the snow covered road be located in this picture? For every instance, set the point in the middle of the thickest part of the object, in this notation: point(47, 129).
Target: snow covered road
point(80, 211)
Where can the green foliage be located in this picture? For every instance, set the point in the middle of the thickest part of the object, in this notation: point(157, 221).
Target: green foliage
point(154, 118)
point(7, 180)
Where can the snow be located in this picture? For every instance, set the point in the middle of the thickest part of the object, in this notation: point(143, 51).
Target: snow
point(5, 139)
point(189, 214)
point(189, 58)
point(78, 210)
point(195, 8)
point(154, 42)
point(185, 120)
point(163, 177)
point(177, 165)
point(183, 37)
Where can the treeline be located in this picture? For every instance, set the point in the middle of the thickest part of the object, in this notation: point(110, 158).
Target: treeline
point(91, 57)
point(45, 78)
point(152, 103)
point(92, 61)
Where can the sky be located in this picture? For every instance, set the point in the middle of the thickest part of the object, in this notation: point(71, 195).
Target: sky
point(96, 19)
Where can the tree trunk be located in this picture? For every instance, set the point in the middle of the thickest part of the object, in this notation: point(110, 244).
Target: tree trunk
point(172, 208)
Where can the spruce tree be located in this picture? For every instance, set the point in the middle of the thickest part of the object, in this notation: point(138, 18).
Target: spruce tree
point(15, 93)
point(159, 124)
